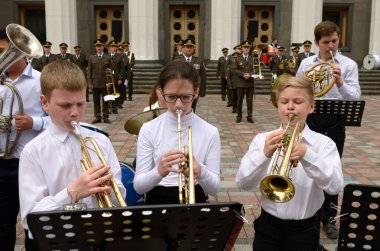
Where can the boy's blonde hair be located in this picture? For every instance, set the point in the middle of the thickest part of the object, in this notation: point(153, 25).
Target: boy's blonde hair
point(62, 74)
point(298, 82)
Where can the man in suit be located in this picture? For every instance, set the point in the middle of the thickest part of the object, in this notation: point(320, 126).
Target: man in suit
point(97, 79)
point(188, 50)
point(64, 55)
point(243, 68)
point(48, 57)
point(81, 60)
point(221, 73)
point(131, 63)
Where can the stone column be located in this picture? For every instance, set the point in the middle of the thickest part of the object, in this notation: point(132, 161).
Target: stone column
point(374, 39)
point(225, 26)
point(143, 28)
point(305, 16)
point(61, 23)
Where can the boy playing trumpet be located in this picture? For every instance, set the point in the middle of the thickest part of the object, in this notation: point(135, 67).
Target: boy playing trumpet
point(293, 225)
point(50, 171)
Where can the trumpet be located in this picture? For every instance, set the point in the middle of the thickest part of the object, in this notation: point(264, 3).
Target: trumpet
point(21, 43)
point(189, 187)
point(278, 186)
point(86, 162)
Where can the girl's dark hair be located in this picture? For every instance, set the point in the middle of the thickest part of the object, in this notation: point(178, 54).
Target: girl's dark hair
point(178, 70)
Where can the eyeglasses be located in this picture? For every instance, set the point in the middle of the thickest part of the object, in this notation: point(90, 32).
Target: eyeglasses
point(173, 98)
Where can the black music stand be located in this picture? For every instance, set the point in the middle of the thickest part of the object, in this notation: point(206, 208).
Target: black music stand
point(206, 226)
point(329, 113)
point(359, 218)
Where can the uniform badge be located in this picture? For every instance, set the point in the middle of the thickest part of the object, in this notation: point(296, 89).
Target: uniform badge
point(196, 66)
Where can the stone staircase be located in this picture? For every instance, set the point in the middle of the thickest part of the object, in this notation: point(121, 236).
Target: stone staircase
point(146, 75)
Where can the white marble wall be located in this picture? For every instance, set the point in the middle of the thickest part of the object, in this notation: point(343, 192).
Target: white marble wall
point(144, 28)
point(225, 26)
point(61, 23)
point(305, 16)
point(374, 40)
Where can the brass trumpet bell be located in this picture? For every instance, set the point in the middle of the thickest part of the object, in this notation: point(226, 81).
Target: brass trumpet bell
point(275, 85)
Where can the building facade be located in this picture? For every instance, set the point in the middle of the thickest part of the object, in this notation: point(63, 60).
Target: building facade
point(153, 26)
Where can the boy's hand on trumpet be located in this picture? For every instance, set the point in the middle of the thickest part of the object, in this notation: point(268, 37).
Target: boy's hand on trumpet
point(272, 142)
point(167, 160)
point(196, 169)
point(90, 182)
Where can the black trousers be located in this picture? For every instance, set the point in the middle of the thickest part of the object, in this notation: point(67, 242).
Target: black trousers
point(223, 87)
point(169, 195)
point(9, 203)
point(234, 98)
point(248, 92)
point(99, 103)
point(338, 135)
point(130, 86)
point(275, 234)
point(30, 244)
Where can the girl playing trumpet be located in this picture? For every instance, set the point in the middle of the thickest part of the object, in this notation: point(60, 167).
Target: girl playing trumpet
point(158, 153)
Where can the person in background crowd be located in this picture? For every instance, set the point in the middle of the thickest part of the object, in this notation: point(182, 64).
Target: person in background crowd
point(221, 72)
point(81, 60)
point(97, 79)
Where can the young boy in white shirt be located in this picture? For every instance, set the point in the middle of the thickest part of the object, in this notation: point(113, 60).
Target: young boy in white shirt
point(292, 225)
point(50, 173)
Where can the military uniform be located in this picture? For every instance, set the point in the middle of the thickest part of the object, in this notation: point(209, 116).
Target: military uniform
point(221, 73)
point(305, 54)
point(293, 62)
point(245, 87)
point(130, 56)
point(81, 60)
point(64, 55)
point(97, 77)
point(231, 79)
point(278, 64)
point(48, 57)
point(36, 64)
point(199, 66)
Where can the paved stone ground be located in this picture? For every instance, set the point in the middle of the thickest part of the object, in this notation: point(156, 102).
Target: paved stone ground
point(361, 157)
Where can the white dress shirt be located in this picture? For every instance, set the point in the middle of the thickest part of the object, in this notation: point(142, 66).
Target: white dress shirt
point(319, 170)
point(51, 162)
point(28, 84)
point(160, 135)
point(349, 74)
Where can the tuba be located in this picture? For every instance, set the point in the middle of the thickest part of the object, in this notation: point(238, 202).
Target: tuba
point(321, 75)
point(188, 188)
point(86, 162)
point(21, 43)
point(278, 186)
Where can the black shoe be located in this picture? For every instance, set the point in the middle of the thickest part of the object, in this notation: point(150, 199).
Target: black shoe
point(107, 121)
point(250, 120)
point(331, 230)
point(233, 110)
point(229, 105)
point(114, 111)
point(224, 98)
point(97, 120)
point(120, 106)
point(130, 99)
point(238, 119)
point(321, 248)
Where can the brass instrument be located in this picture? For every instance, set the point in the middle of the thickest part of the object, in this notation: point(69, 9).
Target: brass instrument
point(276, 83)
point(257, 62)
point(189, 187)
point(22, 43)
point(110, 82)
point(86, 163)
point(322, 77)
point(278, 186)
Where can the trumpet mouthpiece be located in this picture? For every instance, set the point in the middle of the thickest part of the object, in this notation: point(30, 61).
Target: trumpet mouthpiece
point(75, 125)
point(178, 111)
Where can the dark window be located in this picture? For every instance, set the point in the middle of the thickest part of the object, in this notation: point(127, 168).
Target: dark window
point(177, 14)
point(251, 14)
point(338, 15)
